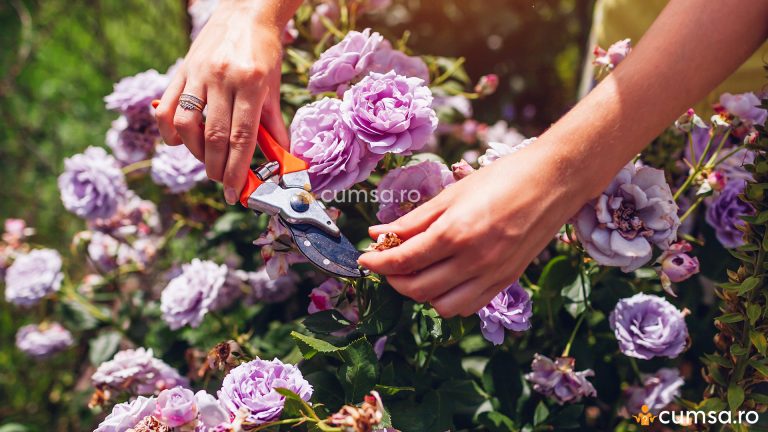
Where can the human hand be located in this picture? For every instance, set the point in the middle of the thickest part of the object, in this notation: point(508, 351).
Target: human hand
point(234, 66)
point(478, 235)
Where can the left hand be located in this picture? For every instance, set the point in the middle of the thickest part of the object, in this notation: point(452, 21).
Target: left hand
point(478, 235)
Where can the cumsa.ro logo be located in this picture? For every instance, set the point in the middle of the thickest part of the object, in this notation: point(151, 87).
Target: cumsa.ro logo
point(687, 418)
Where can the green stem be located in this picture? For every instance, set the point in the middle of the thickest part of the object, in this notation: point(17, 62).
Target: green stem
point(448, 73)
point(137, 166)
point(567, 349)
point(719, 147)
point(691, 208)
point(635, 368)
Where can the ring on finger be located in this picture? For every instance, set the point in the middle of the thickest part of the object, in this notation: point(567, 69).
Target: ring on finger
point(191, 102)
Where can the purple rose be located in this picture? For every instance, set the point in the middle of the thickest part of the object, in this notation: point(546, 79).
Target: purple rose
point(135, 217)
point(390, 112)
point(558, 380)
point(725, 212)
point(406, 188)
point(133, 140)
point(647, 326)
point(176, 168)
point(337, 158)
point(328, 296)
point(510, 310)
point(634, 213)
point(127, 414)
point(44, 340)
point(176, 407)
point(251, 387)
point(266, 290)
point(745, 106)
point(656, 391)
point(138, 372)
point(135, 93)
point(202, 286)
point(92, 185)
point(33, 276)
point(387, 59)
point(344, 62)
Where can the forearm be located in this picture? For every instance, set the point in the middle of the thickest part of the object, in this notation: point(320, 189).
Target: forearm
point(270, 12)
point(693, 46)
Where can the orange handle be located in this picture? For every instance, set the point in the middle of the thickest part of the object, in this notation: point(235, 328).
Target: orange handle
point(273, 152)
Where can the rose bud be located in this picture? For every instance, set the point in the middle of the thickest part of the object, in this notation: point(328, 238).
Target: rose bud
point(461, 169)
point(716, 180)
point(487, 85)
point(676, 265)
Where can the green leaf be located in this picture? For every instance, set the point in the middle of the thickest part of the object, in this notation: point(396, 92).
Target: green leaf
point(567, 417)
point(712, 404)
point(103, 347)
point(495, 421)
point(358, 373)
point(326, 322)
point(730, 318)
point(13, 427)
point(759, 398)
point(383, 313)
point(760, 367)
point(761, 218)
point(295, 404)
point(749, 284)
point(558, 273)
point(540, 414)
point(753, 313)
point(310, 346)
point(759, 341)
point(735, 396)
point(718, 360)
point(386, 390)
point(575, 295)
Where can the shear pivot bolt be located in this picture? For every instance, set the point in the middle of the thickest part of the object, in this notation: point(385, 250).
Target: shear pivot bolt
point(300, 202)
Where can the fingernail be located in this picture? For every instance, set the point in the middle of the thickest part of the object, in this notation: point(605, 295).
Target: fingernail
point(376, 227)
point(155, 103)
point(230, 196)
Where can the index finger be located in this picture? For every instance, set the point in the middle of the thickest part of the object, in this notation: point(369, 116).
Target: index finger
point(166, 109)
point(242, 141)
point(416, 253)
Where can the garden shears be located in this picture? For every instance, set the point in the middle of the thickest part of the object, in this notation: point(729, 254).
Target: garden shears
point(281, 187)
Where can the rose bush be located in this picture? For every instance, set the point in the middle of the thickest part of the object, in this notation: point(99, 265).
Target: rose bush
point(177, 302)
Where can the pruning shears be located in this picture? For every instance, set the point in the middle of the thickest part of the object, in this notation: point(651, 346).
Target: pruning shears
point(281, 187)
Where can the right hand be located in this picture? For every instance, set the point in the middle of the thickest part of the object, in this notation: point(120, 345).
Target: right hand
point(234, 66)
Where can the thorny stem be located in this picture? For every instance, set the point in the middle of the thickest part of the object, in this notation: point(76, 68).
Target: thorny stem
point(741, 362)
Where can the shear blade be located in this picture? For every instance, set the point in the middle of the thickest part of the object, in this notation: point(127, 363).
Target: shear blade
point(335, 255)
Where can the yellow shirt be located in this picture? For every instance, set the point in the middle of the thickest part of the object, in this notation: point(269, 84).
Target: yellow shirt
point(620, 19)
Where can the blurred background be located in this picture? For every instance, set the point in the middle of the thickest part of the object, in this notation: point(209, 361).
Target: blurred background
point(60, 58)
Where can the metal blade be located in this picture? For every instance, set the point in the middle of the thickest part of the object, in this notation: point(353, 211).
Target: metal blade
point(335, 255)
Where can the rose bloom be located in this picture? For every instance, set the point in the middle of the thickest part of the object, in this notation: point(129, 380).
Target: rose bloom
point(267, 290)
point(558, 380)
point(177, 169)
point(135, 93)
point(92, 185)
point(390, 113)
point(176, 407)
point(44, 340)
point(656, 391)
point(676, 264)
point(403, 189)
point(498, 150)
point(648, 326)
point(126, 415)
point(337, 157)
point(33, 276)
point(203, 286)
point(137, 371)
point(387, 59)
point(725, 212)
point(133, 140)
point(343, 62)
point(250, 388)
point(744, 106)
point(634, 213)
point(510, 310)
